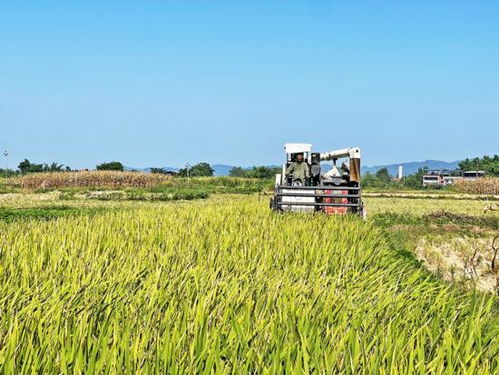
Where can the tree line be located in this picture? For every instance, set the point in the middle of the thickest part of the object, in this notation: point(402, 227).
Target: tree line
point(380, 179)
point(205, 170)
point(202, 169)
point(262, 172)
point(489, 164)
point(27, 166)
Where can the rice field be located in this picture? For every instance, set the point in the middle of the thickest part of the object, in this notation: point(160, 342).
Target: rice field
point(225, 286)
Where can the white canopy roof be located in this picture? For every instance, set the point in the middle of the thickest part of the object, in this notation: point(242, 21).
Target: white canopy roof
point(294, 148)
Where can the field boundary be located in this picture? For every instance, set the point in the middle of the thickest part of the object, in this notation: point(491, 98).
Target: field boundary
point(477, 197)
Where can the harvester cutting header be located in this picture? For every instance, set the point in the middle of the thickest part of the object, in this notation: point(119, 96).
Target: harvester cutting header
point(305, 186)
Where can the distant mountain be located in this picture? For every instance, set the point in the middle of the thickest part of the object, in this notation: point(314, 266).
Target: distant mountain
point(412, 167)
point(221, 169)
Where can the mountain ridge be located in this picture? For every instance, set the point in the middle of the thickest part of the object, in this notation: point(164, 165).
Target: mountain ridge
point(412, 166)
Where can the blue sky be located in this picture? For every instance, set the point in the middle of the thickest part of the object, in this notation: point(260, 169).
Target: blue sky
point(164, 82)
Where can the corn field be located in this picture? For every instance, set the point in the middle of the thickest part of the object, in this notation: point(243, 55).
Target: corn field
point(207, 287)
point(478, 186)
point(114, 179)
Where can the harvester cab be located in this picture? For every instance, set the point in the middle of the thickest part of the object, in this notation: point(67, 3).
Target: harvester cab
point(308, 184)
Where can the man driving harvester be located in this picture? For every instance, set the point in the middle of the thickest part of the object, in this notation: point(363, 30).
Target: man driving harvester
point(298, 169)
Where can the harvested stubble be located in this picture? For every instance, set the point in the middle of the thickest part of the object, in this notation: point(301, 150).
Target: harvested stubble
point(89, 179)
point(210, 287)
point(479, 186)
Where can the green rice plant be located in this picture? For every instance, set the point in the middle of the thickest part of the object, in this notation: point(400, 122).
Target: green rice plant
point(221, 184)
point(8, 214)
point(226, 286)
point(138, 195)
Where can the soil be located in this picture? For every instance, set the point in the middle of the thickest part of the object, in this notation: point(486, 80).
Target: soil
point(464, 260)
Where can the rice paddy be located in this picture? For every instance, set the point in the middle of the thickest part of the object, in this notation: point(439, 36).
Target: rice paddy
point(226, 286)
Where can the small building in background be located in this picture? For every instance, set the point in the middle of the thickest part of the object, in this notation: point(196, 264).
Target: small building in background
point(444, 177)
point(473, 175)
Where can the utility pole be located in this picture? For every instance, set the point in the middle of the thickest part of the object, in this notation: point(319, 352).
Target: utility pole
point(6, 154)
point(187, 167)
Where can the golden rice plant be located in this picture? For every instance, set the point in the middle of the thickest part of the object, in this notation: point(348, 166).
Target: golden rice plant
point(87, 179)
point(424, 206)
point(229, 287)
point(489, 185)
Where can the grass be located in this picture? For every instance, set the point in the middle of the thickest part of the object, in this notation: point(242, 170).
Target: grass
point(168, 190)
point(9, 185)
point(216, 185)
point(8, 214)
point(224, 285)
point(136, 195)
point(388, 219)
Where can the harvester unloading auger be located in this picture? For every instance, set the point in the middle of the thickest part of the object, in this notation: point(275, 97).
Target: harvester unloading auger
point(336, 191)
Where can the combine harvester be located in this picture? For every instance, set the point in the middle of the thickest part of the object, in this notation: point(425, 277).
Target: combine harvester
point(336, 191)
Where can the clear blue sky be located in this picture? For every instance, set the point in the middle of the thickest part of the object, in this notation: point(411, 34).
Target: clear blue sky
point(164, 82)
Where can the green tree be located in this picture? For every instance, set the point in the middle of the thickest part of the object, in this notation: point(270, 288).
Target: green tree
point(237, 172)
point(263, 172)
point(198, 170)
point(369, 180)
point(54, 167)
point(381, 179)
point(110, 166)
point(27, 167)
point(383, 175)
point(24, 166)
point(158, 170)
point(415, 180)
point(489, 164)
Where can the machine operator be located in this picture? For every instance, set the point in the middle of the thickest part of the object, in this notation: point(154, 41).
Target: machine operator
point(299, 169)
